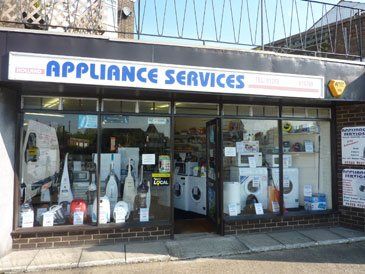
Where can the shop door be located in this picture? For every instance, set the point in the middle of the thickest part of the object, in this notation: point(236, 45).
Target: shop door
point(214, 157)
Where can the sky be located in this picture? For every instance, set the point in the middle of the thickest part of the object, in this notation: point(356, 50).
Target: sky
point(235, 21)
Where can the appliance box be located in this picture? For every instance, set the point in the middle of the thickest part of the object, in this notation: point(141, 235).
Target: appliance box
point(273, 160)
point(242, 159)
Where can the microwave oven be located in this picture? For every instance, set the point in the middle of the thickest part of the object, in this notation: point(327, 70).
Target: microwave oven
point(242, 158)
point(273, 160)
point(185, 168)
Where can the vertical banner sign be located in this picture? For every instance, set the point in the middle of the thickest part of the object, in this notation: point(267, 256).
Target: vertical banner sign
point(353, 145)
point(353, 187)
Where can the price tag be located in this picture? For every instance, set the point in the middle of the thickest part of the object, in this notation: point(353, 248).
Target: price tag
point(27, 219)
point(286, 182)
point(239, 147)
point(144, 215)
point(252, 162)
point(275, 206)
point(258, 209)
point(78, 218)
point(232, 209)
point(230, 152)
point(47, 219)
point(307, 190)
point(119, 216)
point(256, 181)
point(286, 161)
point(148, 159)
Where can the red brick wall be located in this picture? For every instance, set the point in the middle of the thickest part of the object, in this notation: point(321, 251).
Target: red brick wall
point(347, 116)
point(282, 222)
point(73, 236)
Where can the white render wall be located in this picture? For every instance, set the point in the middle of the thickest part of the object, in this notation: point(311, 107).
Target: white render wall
point(7, 143)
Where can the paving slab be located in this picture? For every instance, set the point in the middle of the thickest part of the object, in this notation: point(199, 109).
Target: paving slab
point(61, 258)
point(260, 242)
point(351, 234)
point(146, 252)
point(205, 247)
point(292, 239)
point(102, 255)
point(323, 236)
point(17, 260)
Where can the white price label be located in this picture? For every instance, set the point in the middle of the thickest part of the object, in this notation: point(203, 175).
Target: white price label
point(144, 215)
point(256, 181)
point(148, 159)
point(275, 206)
point(258, 208)
point(252, 162)
point(48, 219)
point(230, 152)
point(78, 218)
point(307, 190)
point(119, 216)
point(232, 209)
point(286, 182)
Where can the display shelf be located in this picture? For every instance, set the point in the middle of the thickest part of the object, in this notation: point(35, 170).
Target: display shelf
point(301, 152)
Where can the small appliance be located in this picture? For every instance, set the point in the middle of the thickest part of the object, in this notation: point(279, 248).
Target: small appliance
point(252, 181)
point(242, 158)
point(291, 185)
point(181, 192)
point(273, 160)
point(198, 195)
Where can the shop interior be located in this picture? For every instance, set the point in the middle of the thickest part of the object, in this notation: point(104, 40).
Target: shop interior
point(190, 171)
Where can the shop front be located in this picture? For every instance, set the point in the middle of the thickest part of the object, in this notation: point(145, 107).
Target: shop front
point(122, 141)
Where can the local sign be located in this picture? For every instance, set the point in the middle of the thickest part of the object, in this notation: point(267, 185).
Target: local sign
point(121, 73)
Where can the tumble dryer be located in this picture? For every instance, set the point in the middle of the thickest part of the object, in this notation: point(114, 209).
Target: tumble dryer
point(252, 181)
point(198, 195)
point(291, 185)
point(181, 192)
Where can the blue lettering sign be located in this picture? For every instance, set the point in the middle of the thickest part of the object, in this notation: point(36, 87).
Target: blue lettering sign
point(53, 67)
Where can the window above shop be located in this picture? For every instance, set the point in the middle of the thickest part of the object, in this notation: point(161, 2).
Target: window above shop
point(128, 106)
point(59, 103)
point(196, 108)
point(250, 110)
point(303, 112)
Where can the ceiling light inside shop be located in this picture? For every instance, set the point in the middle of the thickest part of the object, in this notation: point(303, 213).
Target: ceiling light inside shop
point(44, 114)
point(52, 103)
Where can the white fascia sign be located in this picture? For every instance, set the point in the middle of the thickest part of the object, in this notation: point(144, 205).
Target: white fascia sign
point(120, 73)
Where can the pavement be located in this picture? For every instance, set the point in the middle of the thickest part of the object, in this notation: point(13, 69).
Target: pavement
point(184, 247)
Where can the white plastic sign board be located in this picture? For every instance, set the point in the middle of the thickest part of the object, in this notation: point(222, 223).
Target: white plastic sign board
point(148, 159)
point(230, 152)
point(275, 206)
point(122, 73)
point(258, 209)
point(307, 190)
point(48, 218)
point(78, 218)
point(353, 145)
point(353, 187)
point(144, 215)
point(232, 209)
point(252, 162)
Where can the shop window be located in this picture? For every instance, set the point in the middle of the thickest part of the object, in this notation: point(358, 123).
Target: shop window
point(324, 113)
point(32, 102)
point(79, 104)
point(119, 106)
point(243, 110)
point(135, 169)
point(302, 112)
point(154, 107)
point(307, 165)
point(196, 108)
point(250, 148)
point(58, 184)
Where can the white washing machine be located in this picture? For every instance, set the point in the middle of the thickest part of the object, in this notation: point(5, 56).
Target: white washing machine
point(198, 195)
point(252, 181)
point(291, 185)
point(181, 192)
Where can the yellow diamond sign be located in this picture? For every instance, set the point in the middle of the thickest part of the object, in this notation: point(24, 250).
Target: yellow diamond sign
point(337, 87)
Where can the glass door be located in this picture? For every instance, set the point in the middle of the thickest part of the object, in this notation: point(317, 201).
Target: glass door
point(213, 173)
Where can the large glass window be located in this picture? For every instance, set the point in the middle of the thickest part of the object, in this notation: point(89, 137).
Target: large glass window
point(307, 165)
point(248, 188)
point(135, 169)
point(58, 184)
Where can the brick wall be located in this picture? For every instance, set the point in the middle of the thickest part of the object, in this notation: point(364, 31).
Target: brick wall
point(347, 116)
point(282, 222)
point(65, 237)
